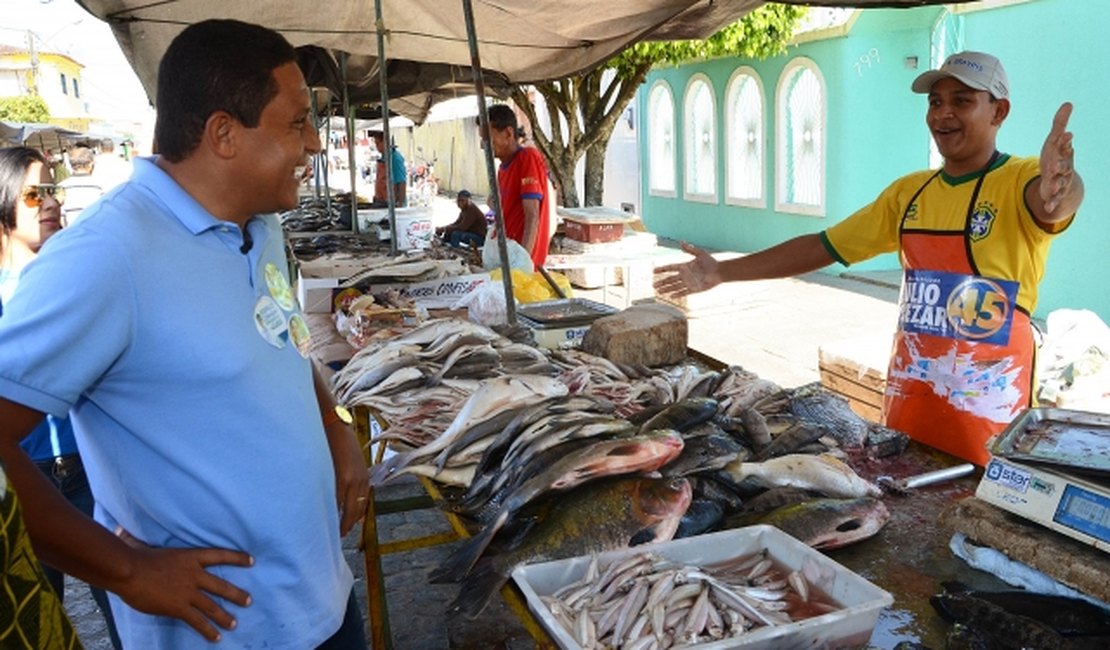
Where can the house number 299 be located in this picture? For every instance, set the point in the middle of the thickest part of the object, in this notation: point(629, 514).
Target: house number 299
point(866, 60)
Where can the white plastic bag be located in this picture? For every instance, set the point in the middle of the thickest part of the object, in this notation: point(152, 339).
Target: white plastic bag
point(518, 257)
point(485, 305)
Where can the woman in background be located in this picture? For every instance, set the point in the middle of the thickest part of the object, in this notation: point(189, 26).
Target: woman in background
point(30, 213)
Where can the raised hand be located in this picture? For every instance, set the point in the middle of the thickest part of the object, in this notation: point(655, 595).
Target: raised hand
point(1057, 161)
point(678, 280)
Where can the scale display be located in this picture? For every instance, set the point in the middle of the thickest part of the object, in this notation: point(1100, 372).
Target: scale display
point(1084, 511)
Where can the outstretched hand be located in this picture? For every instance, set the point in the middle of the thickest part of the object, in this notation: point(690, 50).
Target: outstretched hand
point(678, 280)
point(1057, 161)
point(176, 583)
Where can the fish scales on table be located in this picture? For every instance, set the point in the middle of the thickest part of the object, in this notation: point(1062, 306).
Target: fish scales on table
point(495, 395)
point(787, 441)
point(597, 517)
point(640, 453)
point(682, 415)
point(704, 453)
point(819, 406)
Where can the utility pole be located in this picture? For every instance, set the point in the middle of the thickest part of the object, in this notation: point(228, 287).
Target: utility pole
point(34, 86)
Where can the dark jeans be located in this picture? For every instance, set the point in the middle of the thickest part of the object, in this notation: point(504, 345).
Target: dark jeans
point(68, 475)
point(464, 239)
point(352, 633)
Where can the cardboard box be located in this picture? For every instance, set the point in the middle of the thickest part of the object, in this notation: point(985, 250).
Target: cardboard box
point(315, 294)
point(848, 627)
point(435, 294)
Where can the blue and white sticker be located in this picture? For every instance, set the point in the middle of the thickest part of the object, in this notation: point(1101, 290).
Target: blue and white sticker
point(958, 306)
point(1008, 476)
point(270, 322)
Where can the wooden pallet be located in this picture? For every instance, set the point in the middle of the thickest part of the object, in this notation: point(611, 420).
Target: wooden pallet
point(856, 370)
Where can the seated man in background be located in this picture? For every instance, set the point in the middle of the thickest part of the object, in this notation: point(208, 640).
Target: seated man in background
point(470, 228)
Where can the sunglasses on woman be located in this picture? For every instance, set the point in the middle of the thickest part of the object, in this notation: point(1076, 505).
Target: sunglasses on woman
point(34, 195)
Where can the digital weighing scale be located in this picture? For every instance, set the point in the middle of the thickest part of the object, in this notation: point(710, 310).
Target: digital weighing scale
point(1052, 466)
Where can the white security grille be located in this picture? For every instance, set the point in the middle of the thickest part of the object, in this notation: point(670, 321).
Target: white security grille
point(700, 139)
point(661, 150)
point(801, 146)
point(744, 128)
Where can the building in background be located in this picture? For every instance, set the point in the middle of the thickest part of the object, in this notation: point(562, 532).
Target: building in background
point(739, 154)
point(54, 77)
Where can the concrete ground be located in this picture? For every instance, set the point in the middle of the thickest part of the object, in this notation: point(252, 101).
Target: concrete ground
point(773, 328)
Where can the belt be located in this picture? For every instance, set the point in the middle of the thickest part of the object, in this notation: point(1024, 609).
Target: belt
point(61, 466)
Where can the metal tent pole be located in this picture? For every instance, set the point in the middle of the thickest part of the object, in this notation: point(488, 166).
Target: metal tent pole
point(349, 123)
point(491, 173)
point(379, 27)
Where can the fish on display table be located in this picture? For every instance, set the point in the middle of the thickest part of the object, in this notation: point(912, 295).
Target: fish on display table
point(601, 516)
point(829, 523)
point(820, 473)
point(643, 453)
point(1021, 619)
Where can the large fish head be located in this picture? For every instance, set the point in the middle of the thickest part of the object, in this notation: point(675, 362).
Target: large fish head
point(857, 520)
point(659, 505)
point(655, 448)
point(643, 453)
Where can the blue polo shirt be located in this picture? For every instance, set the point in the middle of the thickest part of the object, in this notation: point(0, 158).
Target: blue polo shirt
point(176, 356)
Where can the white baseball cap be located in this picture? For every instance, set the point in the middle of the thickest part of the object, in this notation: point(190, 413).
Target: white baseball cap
point(975, 69)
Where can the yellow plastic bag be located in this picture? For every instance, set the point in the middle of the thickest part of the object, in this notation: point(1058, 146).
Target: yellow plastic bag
point(532, 287)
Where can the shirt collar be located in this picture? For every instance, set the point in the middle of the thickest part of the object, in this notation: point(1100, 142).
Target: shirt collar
point(180, 203)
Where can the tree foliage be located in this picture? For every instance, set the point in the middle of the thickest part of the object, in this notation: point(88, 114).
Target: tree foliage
point(585, 108)
point(25, 108)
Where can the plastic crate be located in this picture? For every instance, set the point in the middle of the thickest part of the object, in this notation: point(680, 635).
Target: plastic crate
point(850, 626)
point(593, 232)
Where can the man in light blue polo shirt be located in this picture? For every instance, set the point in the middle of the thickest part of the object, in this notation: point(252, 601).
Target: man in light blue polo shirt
point(163, 322)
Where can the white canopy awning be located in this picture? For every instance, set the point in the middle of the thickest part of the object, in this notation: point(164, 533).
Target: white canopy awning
point(520, 41)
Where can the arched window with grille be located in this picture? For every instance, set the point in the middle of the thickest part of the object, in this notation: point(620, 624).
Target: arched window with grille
point(661, 150)
point(700, 140)
point(744, 137)
point(800, 139)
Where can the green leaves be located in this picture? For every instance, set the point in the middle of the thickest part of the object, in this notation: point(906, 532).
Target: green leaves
point(25, 108)
point(760, 34)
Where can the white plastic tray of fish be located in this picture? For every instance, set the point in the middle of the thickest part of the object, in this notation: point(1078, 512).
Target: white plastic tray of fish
point(854, 602)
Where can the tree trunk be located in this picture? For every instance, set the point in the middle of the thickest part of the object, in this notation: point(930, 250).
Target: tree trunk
point(595, 173)
point(589, 114)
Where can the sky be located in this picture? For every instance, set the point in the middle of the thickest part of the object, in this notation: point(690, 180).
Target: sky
point(110, 86)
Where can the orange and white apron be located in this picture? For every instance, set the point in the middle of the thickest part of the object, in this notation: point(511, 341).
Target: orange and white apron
point(962, 365)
